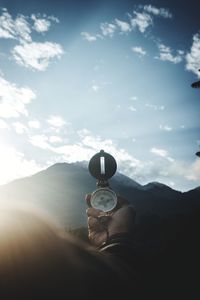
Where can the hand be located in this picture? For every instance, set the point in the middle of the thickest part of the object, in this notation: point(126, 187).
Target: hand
point(120, 221)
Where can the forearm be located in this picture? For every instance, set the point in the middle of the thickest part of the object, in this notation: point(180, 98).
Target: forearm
point(121, 248)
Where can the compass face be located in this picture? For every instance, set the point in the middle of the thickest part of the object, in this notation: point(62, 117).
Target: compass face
point(104, 199)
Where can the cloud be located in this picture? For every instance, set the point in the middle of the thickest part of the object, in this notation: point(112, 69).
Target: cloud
point(14, 29)
point(11, 159)
point(166, 128)
point(21, 27)
point(95, 88)
point(36, 56)
point(40, 25)
point(139, 50)
point(193, 57)
point(44, 142)
point(162, 153)
point(159, 152)
point(134, 98)
point(55, 139)
point(193, 173)
point(3, 124)
point(28, 53)
point(40, 141)
point(163, 168)
point(14, 99)
point(56, 121)
point(87, 36)
point(19, 127)
point(165, 54)
point(132, 108)
point(108, 29)
point(123, 26)
point(142, 21)
point(155, 107)
point(34, 124)
point(162, 12)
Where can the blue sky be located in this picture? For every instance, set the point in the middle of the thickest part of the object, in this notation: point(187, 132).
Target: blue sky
point(79, 76)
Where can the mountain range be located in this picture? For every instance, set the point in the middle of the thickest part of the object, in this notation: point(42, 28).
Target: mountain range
point(60, 190)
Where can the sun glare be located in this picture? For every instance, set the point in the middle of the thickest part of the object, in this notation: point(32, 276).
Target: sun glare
point(14, 165)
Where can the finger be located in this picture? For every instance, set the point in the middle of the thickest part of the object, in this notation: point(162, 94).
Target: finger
point(93, 222)
point(92, 212)
point(98, 239)
point(87, 199)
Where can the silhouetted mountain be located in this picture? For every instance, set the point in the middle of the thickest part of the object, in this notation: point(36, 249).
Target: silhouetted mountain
point(61, 189)
point(167, 225)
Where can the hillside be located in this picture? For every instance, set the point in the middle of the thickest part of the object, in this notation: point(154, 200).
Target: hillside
point(60, 190)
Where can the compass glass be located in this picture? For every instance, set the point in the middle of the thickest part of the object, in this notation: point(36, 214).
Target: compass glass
point(104, 199)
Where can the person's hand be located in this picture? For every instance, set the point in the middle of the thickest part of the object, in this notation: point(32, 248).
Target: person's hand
point(121, 221)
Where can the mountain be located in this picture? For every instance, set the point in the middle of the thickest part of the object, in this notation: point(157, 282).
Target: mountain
point(61, 189)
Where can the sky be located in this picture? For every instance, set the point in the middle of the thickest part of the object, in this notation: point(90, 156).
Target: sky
point(80, 76)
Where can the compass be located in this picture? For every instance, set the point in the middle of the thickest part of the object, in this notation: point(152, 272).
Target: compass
point(103, 166)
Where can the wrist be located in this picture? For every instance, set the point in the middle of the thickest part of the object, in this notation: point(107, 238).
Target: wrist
point(122, 239)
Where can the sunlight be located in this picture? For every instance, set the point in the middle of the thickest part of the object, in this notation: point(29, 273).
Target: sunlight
point(11, 159)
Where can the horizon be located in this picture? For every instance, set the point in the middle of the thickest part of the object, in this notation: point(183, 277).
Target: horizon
point(83, 164)
point(76, 77)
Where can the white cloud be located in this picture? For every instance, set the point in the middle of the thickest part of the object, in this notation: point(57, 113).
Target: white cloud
point(55, 139)
point(108, 29)
point(15, 165)
point(3, 124)
point(162, 153)
point(132, 108)
point(40, 25)
point(53, 18)
point(36, 56)
point(34, 124)
point(163, 12)
point(155, 107)
point(87, 36)
point(159, 152)
point(193, 57)
point(134, 98)
point(166, 128)
point(56, 121)
point(165, 54)
point(14, 29)
point(139, 50)
point(83, 132)
point(142, 21)
point(21, 27)
point(19, 127)
point(193, 173)
point(123, 26)
point(40, 141)
point(95, 88)
point(163, 168)
point(14, 99)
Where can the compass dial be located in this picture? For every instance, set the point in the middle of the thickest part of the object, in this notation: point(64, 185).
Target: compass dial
point(104, 199)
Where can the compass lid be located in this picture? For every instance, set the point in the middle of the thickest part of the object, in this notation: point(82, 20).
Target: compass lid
point(102, 165)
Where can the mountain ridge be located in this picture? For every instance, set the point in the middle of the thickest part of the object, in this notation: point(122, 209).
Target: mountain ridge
point(61, 189)
point(83, 165)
